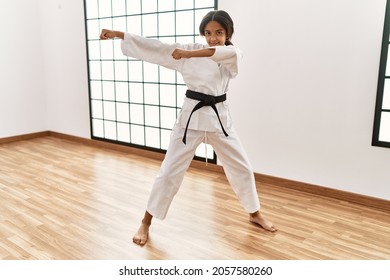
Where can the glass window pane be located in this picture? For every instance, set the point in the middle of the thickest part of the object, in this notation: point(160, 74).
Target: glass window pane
point(137, 114)
point(384, 131)
point(92, 9)
point(96, 90)
point(98, 128)
point(95, 70)
point(122, 112)
point(168, 117)
point(152, 116)
point(204, 4)
point(107, 49)
point(151, 94)
point(166, 25)
point(122, 91)
point(149, 6)
point(105, 8)
point(93, 29)
point(97, 109)
point(119, 23)
point(184, 4)
point(109, 110)
point(137, 135)
point(118, 8)
point(108, 91)
point(110, 130)
point(135, 71)
point(149, 25)
point(94, 49)
point(152, 137)
point(107, 70)
point(123, 132)
point(134, 7)
point(136, 93)
point(168, 95)
point(150, 72)
point(165, 137)
point(388, 63)
point(386, 95)
point(185, 23)
point(166, 5)
point(167, 75)
point(121, 71)
point(134, 24)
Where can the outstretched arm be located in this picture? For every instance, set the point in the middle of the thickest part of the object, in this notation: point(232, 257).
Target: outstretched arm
point(181, 53)
point(111, 34)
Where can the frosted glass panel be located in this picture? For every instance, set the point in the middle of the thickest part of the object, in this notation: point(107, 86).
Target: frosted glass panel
point(149, 25)
point(185, 23)
point(168, 95)
point(108, 91)
point(134, 101)
point(97, 109)
point(110, 130)
point(92, 9)
point(93, 29)
point(152, 137)
point(137, 135)
point(166, 25)
point(384, 131)
point(151, 94)
point(98, 128)
point(109, 110)
point(123, 132)
point(166, 5)
point(94, 49)
point(136, 93)
point(119, 8)
point(121, 71)
point(168, 117)
point(96, 90)
point(150, 72)
point(149, 6)
point(184, 4)
point(137, 114)
point(122, 112)
point(152, 116)
point(122, 91)
point(105, 8)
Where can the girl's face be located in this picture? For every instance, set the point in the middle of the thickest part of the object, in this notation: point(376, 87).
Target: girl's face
point(215, 34)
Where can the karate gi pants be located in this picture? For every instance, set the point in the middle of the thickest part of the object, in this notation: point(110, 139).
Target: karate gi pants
point(229, 151)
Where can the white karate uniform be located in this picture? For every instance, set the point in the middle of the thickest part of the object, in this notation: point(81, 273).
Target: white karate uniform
point(208, 75)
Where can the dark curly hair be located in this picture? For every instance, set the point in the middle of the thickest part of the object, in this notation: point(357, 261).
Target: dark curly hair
point(224, 19)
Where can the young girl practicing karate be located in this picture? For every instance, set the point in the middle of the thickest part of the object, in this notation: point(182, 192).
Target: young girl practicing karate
point(206, 70)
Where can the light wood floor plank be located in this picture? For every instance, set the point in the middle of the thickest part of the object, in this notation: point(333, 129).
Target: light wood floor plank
point(65, 200)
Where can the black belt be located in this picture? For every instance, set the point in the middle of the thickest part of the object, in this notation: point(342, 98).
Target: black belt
point(204, 100)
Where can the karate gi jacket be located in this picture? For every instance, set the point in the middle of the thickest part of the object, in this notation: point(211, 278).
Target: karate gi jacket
point(208, 75)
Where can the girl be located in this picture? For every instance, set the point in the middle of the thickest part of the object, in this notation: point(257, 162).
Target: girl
point(204, 116)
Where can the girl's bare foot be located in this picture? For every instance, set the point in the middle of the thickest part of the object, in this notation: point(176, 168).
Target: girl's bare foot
point(141, 237)
point(257, 218)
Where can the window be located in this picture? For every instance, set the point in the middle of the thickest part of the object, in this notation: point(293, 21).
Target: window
point(381, 136)
point(133, 102)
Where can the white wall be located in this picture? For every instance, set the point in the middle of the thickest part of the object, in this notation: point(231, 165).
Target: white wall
point(22, 99)
point(308, 87)
point(303, 102)
point(65, 66)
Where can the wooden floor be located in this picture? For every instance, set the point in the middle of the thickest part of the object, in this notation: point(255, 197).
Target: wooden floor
point(65, 200)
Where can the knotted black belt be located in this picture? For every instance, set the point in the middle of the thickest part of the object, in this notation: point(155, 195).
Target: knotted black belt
point(204, 100)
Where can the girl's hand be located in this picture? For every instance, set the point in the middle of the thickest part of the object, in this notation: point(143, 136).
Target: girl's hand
point(110, 34)
point(180, 53)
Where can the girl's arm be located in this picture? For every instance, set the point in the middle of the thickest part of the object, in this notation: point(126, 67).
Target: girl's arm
point(180, 53)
